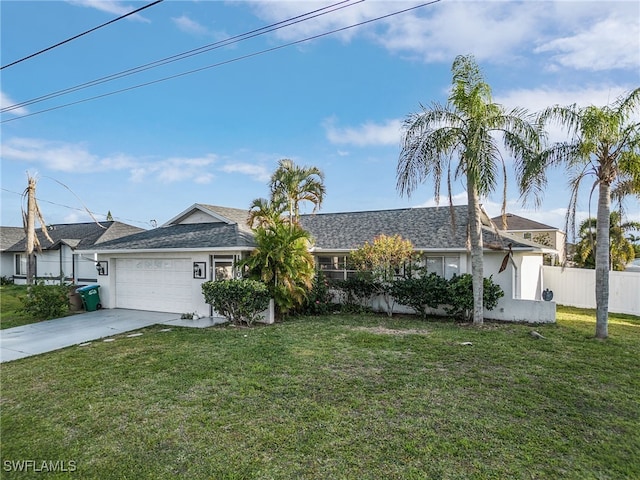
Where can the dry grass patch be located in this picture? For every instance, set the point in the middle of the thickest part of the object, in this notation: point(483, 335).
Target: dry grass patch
point(379, 330)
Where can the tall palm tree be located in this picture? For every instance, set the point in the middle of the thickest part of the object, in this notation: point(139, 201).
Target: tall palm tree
point(603, 144)
point(461, 139)
point(293, 184)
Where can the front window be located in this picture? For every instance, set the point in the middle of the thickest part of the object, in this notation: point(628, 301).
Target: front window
point(334, 267)
point(445, 267)
point(21, 264)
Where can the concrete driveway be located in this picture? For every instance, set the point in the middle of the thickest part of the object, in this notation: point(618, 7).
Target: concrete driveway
point(41, 337)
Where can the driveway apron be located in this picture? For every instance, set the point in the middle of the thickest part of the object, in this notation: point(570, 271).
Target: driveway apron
point(41, 337)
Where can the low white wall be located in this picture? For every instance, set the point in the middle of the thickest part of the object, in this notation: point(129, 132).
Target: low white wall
point(576, 287)
point(268, 316)
point(523, 311)
point(507, 310)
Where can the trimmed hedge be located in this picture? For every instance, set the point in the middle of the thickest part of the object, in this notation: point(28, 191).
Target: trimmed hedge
point(238, 300)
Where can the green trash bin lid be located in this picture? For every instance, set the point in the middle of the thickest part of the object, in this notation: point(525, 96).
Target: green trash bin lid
point(87, 288)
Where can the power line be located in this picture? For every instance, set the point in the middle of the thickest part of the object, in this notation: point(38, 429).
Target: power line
point(80, 209)
point(225, 62)
point(80, 35)
point(187, 54)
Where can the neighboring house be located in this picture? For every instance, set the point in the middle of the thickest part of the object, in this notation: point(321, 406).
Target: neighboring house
point(535, 232)
point(60, 260)
point(9, 236)
point(163, 269)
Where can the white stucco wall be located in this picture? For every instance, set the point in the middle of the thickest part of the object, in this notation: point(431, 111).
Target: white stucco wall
point(7, 262)
point(521, 283)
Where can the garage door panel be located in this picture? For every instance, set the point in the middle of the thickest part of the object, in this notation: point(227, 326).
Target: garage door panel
point(154, 284)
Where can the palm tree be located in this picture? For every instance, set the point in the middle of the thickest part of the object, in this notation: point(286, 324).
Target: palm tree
point(283, 262)
point(292, 184)
point(604, 143)
point(265, 213)
point(621, 250)
point(460, 139)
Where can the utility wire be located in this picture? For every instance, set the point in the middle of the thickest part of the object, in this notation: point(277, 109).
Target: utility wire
point(80, 35)
point(81, 209)
point(190, 53)
point(225, 62)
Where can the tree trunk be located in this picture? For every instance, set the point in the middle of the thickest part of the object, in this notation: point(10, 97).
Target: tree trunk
point(31, 230)
point(602, 260)
point(477, 265)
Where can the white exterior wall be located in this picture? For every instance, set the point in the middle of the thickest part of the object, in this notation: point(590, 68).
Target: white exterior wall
point(85, 270)
point(530, 277)
point(7, 264)
point(508, 279)
point(576, 287)
point(50, 264)
point(521, 284)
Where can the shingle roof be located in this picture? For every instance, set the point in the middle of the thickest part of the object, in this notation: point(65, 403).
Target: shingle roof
point(9, 236)
point(237, 215)
point(77, 235)
point(427, 228)
point(183, 236)
point(515, 222)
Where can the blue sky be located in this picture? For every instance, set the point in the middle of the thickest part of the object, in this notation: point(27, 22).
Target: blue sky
point(336, 102)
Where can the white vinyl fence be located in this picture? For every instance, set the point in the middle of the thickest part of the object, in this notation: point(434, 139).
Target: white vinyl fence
point(576, 287)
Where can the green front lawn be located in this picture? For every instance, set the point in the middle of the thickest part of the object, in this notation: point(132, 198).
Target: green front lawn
point(334, 397)
point(11, 308)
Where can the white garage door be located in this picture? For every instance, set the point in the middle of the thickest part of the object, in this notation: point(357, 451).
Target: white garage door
point(157, 284)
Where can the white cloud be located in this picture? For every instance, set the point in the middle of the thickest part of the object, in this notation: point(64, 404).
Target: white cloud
point(537, 99)
point(61, 156)
point(572, 33)
point(188, 25)
point(607, 44)
point(76, 158)
point(6, 101)
point(489, 30)
point(177, 169)
point(367, 134)
point(111, 6)
point(257, 172)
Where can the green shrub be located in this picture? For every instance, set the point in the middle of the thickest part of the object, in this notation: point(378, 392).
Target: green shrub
point(6, 280)
point(421, 294)
point(46, 301)
point(358, 292)
point(240, 301)
point(460, 295)
point(319, 301)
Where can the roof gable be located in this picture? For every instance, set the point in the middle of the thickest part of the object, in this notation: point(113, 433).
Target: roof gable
point(517, 223)
point(201, 213)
